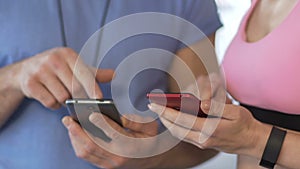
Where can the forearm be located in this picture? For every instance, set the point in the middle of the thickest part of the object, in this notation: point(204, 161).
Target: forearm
point(290, 151)
point(10, 96)
point(198, 58)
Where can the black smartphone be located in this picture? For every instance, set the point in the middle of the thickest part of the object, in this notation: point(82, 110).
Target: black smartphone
point(185, 102)
point(81, 109)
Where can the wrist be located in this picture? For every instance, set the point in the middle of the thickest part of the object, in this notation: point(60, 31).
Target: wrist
point(273, 148)
point(259, 140)
point(10, 78)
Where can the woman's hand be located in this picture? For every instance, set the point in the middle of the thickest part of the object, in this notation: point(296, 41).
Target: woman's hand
point(210, 87)
point(236, 130)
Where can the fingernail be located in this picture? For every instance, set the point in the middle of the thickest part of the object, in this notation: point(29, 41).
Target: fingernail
point(155, 108)
point(66, 121)
point(124, 121)
point(205, 105)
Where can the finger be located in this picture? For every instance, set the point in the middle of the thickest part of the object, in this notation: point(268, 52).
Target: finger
point(103, 75)
point(82, 153)
point(55, 87)
point(204, 88)
point(85, 77)
point(209, 86)
point(182, 119)
point(109, 127)
point(217, 109)
point(88, 81)
point(81, 137)
point(182, 133)
point(171, 127)
point(39, 92)
point(205, 106)
point(213, 108)
point(98, 160)
point(76, 131)
point(65, 75)
point(135, 123)
point(193, 89)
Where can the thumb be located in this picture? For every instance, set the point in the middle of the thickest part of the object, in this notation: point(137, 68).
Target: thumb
point(205, 106)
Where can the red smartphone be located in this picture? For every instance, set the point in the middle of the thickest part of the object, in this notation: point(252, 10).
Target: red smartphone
point(184, 102)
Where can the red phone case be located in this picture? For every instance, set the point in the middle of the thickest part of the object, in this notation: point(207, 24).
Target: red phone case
point(184, 102)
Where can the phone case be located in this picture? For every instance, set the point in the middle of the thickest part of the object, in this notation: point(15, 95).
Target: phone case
point(184, 102)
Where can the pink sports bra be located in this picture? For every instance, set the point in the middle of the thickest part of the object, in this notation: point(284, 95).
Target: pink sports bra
point(266, 73)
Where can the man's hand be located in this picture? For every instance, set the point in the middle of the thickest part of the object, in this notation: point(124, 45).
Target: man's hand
point(103, 154)
point(55, 75)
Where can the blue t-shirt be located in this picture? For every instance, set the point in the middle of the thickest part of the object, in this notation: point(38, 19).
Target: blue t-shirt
point(34, 136)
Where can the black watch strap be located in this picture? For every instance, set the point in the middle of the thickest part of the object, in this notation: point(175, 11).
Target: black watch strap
point(273, 147)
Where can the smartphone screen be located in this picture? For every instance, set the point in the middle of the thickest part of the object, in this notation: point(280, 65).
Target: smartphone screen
point(81, 109)
point(184, 102)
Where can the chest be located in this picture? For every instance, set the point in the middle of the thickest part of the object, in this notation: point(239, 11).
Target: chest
point(266, 16)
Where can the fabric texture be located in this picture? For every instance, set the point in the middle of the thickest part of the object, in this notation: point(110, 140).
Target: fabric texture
point(264, 73)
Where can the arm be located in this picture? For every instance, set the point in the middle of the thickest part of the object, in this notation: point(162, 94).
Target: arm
point(290, 151)
point(194, 61)
point(10, 95)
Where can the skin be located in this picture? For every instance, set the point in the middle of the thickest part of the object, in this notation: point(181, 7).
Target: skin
point(237, 132)
point(86, 147)
point(48, 78)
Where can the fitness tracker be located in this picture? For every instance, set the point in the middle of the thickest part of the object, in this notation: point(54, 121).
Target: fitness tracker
point(273, 147)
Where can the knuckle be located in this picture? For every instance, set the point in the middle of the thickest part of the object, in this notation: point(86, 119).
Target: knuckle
point(63, 96)
point(30, 83)
point(48, 102)
point(54, 61)
point(53, 58)
point(41, 69)
point(69, 52)
point(29, 87)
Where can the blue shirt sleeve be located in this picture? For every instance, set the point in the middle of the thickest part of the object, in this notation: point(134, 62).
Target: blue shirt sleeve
point(203, 13)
